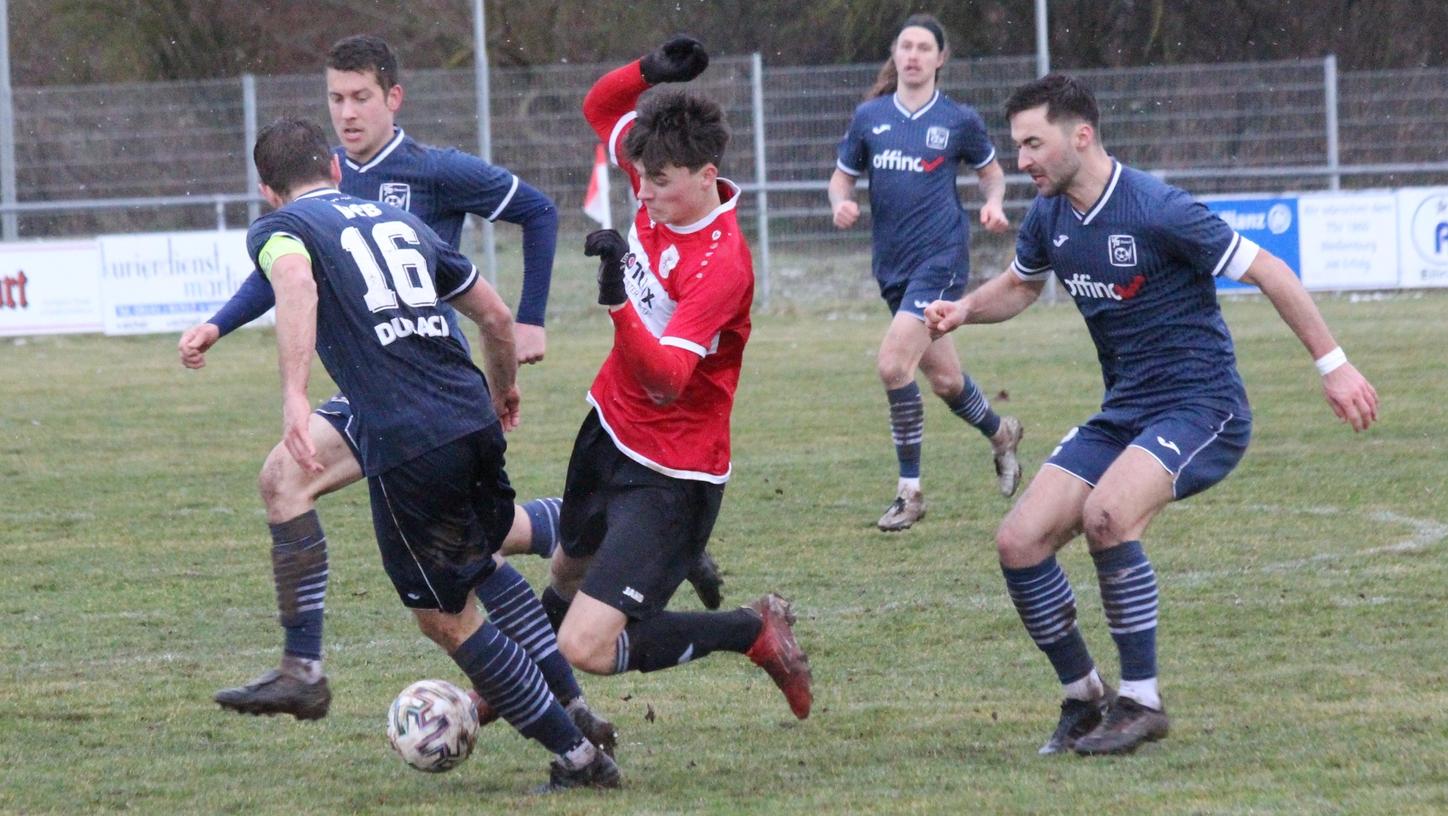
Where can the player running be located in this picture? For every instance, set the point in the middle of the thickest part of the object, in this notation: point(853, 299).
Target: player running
point(1140, 260)
point(380, 162)
point(360, 281)
point(647, 473)
point(909, 138)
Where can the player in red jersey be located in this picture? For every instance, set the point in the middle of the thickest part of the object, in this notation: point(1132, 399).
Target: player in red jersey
point(649, 465)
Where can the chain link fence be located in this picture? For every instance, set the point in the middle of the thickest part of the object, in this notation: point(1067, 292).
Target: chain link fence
point(173, 156)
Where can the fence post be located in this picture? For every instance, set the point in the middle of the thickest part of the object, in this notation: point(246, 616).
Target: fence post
point(249, 126)
point(482, 87)
point(1329, 102)
point(10, 221)
point(761, 174)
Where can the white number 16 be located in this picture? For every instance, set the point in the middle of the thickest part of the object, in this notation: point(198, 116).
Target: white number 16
point(406, 266)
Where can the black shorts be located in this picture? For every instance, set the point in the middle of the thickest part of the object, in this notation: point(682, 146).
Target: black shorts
point(440, 517)
point(642, 528)
point(338, 412)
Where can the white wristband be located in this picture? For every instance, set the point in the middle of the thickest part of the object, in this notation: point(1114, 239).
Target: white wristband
point(1331, 361)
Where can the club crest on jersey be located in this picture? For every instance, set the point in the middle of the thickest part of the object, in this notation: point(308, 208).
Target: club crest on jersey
point(668, 259)
point(396, 193)
point(936, 138)
point(1122, 249)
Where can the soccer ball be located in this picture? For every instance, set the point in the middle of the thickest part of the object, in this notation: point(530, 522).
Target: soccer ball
point(432, 725)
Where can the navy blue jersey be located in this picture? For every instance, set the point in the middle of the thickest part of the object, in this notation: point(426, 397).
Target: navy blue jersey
point(1141, 266)
point(911, 160)
point(439, 186)
point(442, 185)
point(382, 276)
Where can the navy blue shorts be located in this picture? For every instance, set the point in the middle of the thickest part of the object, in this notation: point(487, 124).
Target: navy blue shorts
point(440, 517)
point(643, 529)
point(1197, 445)
point(338, 411)
point(942, 277)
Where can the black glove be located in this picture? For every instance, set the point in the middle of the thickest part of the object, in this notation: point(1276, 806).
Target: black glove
point(610, 248)
point(679, 60)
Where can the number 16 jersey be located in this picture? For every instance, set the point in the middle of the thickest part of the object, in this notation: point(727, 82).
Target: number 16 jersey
point(381, 276)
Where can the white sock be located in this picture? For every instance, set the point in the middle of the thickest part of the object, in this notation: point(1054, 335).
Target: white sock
point(1142, 691)
point(1089, 687)
point(905, 484)
point(579, 756)
point(304, 669)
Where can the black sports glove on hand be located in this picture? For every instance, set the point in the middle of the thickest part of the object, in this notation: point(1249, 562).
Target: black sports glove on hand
point(609, 247)
point(678, 60)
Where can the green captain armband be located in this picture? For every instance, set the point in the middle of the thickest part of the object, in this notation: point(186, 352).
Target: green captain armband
point(278, 245)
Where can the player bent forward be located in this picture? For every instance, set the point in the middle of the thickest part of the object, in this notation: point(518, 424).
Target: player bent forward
point(649, 464)
point(431, 434)
point(1140, 260)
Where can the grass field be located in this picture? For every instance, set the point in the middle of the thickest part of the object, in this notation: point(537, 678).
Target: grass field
point(1303, 646)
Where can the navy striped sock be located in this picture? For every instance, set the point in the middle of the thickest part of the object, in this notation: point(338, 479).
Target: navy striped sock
point(1047, 607)
point(543, 514)
point(972, 406)
point(512, 685)
point(299, 569)
point(514, 609)
point(907, 427)
point(1129, 595)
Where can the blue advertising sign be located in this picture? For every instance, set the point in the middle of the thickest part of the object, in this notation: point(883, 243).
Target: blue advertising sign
point(1271, 223)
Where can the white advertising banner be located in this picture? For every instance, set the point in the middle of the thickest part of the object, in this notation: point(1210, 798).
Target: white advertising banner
point(1349, 240)
point(167, 282)
point(1423, 236)
point(50, 288)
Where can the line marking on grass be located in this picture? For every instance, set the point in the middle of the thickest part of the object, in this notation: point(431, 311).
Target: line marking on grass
point(1426, 533)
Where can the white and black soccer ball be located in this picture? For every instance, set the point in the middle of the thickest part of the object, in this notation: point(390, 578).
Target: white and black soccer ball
point(432, 725)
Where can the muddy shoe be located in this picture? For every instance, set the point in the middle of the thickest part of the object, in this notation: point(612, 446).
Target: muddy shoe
point(908, 508)
point(277, 693)
point(602, 772)
point(1003, 445)
point(1078, 718)
point(777, 652)
point(1126, 726)
point(708, 583)
point(599, 731)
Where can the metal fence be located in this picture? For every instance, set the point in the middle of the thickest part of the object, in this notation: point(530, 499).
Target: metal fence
point(166, 156)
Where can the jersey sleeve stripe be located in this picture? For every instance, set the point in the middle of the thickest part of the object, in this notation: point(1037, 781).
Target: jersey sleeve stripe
point(623, 122)
point(464, 286)
point(1028, 274)
point(687, 345)
point(988, 160)
point(849, 171)
point(503, 205)
point(1239, 255)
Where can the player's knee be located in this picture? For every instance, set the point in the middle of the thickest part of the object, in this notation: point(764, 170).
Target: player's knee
point(270, 481)
point(586, 650)
point(946, 386)
point(1101, 523)
point(442, 629)
point(1013, 544)
point(893, 372)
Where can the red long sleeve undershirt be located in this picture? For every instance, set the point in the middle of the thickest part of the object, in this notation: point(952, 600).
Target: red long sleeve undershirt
point(662, 370)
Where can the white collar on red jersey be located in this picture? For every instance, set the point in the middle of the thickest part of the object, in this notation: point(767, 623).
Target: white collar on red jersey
point(729, 203)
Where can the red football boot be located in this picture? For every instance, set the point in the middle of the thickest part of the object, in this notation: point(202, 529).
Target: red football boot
point(777, 652)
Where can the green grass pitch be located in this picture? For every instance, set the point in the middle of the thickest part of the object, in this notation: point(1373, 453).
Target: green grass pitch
point(1303, 599)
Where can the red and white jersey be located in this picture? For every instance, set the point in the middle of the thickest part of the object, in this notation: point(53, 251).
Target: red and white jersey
point(692, 287)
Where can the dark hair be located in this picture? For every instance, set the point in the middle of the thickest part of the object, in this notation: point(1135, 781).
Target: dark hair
point(887, 80)
point(363, 53)
point(1062, 95)
point(679, 128)
point(290, 152)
